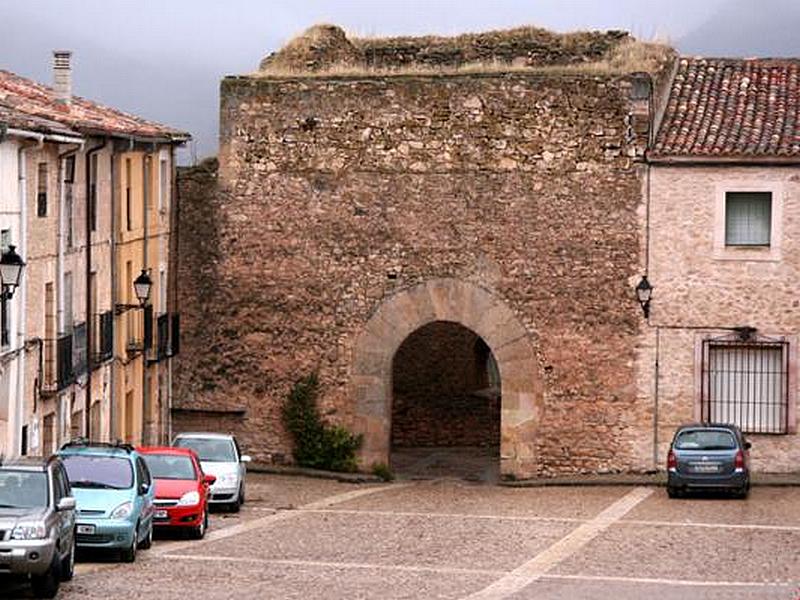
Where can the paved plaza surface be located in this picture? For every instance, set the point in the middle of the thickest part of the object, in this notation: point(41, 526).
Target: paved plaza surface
point(308, 538)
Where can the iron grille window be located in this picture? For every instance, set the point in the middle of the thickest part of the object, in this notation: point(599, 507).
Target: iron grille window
point(64, 361)
point(175, 342)
point(746, 384)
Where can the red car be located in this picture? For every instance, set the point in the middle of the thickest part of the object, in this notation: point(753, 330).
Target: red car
point(181, 489)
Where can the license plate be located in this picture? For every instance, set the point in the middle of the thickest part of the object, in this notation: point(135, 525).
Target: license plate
point(160, 514)
point(706, 468)
point(85, 529)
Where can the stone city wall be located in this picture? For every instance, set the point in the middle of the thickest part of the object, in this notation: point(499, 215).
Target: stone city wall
point(335, 193)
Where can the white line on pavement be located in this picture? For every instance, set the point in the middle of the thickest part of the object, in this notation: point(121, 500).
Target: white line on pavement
point(332, 565)
point(751, 526)
point(267, 520)
point(535, 568)
point(678, 582)
point(431, 515)
point(460, 571)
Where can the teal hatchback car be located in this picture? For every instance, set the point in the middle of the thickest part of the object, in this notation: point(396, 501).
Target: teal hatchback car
point(115, 495)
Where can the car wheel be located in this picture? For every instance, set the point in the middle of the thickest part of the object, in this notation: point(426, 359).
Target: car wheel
point(199, 532)
point(241, 495)
point(46, 586)
point(673, 492)
point(147, 542)
point(68, 565)
point(129, 554)
point(742, 492)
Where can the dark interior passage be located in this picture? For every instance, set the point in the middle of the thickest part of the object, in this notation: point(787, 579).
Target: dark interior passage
point(446, 391)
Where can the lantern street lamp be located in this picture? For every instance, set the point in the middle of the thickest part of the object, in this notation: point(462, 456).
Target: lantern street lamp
point(11, 265)
point(141, 286)
point(644, 291)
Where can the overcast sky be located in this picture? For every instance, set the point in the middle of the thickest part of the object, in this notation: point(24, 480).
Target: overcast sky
point(163, 59)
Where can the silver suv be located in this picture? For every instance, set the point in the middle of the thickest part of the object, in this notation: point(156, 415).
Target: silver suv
point(37, 523)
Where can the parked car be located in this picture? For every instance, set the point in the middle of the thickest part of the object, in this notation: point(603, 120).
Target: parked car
point(115, 495)
point(708, 456)
point(219, 456)
point(37, 521)
point(182, 489)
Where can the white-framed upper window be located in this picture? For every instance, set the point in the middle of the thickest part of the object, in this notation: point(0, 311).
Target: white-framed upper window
point(748, 218)
point(748, 221)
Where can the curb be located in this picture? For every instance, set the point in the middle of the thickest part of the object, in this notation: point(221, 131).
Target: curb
point(314, 473)
point(768, 480)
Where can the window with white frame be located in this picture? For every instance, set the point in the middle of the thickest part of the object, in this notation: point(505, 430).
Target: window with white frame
point(748, 218)
point(746, 383)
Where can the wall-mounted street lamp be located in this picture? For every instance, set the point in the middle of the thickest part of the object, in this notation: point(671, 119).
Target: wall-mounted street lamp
point(11, 265)
point(644, 291)
point(141, 287)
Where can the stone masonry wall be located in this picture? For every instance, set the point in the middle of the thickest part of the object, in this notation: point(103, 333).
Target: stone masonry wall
point(699, 289)
point(336, 193)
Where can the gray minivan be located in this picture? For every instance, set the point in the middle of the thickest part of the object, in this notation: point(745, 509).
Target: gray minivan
point(37, 523)
point(708, 456)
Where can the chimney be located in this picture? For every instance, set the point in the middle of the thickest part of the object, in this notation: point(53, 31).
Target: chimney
point(62, 76)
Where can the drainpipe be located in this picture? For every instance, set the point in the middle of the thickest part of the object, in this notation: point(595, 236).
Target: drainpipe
point(112, 433)
point(89, 305)
point(172, 276)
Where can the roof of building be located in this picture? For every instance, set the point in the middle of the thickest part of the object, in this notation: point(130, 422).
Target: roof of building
point(17, 119)
point(732, 109)
point(37, 100)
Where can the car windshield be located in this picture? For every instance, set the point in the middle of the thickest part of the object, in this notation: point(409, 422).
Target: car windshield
point(170, 466)
point(23, 489)
point(209, 449)
point(103, 472)
point(705, 439)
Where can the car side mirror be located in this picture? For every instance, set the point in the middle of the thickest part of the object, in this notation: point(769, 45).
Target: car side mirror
point(210, 479)
point(747, 445)
point(143, 489)
point(245, 458)
point(65, 504)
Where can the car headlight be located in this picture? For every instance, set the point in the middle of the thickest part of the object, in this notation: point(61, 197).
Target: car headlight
point(227, 479)
point(122, 511)
point(29, 531)
point(189, 499)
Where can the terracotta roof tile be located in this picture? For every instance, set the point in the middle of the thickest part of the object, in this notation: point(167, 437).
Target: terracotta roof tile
point(721, 108)
point(12, 118)
point(27, 96)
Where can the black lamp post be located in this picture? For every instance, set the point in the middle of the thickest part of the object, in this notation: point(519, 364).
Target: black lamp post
point(644, 291)
point(141, 286)
point(11, 265)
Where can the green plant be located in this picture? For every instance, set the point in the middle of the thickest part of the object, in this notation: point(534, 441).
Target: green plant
point(316, 444)
point(383, 471)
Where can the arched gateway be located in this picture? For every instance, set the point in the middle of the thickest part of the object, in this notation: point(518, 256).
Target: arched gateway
point(476, 309)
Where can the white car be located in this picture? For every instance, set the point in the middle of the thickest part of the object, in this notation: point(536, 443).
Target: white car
point(219, 456)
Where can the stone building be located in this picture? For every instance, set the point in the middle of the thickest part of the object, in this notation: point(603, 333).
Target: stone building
point(723, 255)
point(447, 230)
point(93, 366)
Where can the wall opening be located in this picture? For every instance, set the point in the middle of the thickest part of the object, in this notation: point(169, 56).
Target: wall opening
point(446, 404)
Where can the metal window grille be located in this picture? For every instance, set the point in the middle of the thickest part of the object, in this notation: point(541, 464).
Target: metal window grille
point(162, 327)
point(746, 383)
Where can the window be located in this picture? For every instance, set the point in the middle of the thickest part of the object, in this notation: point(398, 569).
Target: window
point(128, 207)
point(67, 325)
point(93, 191)
point(147, 176)
point(69, 178)
point(5, 240)
point(746, 383)
point(162, 290)
point(41, 190)
point(163, 196)
point(5, 337)
point(748, 218)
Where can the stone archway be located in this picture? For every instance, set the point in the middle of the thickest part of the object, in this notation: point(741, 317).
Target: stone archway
point(475, 308)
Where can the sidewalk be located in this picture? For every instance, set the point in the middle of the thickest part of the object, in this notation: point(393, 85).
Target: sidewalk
point(653, 479)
